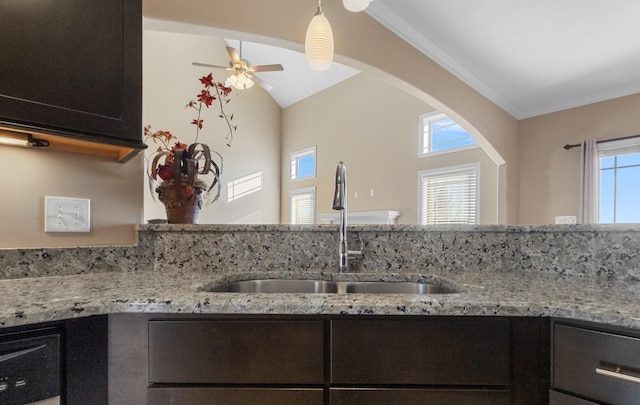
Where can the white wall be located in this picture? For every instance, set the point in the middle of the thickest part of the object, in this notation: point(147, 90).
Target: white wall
point(170, 81)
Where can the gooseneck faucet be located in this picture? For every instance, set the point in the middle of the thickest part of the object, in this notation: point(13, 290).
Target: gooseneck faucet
point(340, 204)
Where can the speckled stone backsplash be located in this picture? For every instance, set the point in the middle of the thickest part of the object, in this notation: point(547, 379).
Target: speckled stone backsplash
point(610, 251)
point(595, 250)
point(20, 263)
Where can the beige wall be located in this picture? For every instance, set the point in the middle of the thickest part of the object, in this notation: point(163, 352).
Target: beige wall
point(366, 45)
point(374, 128)
point(28, 175)
point(170, 81)
point(550, 175)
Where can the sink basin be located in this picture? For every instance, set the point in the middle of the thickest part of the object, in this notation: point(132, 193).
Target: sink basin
point(279, 286)
point(340, 287)
point(390, 287)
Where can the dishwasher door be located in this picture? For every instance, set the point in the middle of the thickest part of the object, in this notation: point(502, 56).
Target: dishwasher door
point(30, 369)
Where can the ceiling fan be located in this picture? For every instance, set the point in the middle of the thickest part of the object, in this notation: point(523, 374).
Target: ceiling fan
point(243, 72)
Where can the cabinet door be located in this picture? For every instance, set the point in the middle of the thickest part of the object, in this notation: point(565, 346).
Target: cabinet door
point(235, 396)
point(417, 397)
point(73, 67)
point(236, 351)
point(445, 351)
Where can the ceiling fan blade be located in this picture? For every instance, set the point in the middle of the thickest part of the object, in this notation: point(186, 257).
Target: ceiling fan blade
point(267, 68)
point(235, 57)
point(262, 83)
point(210, 66)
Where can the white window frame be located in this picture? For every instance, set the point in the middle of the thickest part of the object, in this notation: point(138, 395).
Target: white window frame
point(443, 171)
point(425, 140)
point(613, 148)
point(293, 160)
point(300, 191)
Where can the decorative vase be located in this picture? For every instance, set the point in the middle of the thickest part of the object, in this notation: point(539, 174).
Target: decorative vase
point(181, 191)
point(181, 201)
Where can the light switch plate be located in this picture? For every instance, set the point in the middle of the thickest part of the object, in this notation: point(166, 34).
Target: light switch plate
point(63, 214)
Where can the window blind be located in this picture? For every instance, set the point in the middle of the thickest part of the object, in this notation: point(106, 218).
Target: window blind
point(302, 206)
point(449, 197)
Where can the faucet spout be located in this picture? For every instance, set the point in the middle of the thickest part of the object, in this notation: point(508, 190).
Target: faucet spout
point(340, 204)
point(340, 192)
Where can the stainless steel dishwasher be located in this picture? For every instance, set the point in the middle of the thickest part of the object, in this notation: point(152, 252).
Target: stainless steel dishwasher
point(30, 367)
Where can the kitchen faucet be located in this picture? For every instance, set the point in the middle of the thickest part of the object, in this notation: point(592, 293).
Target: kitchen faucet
point(340, 204)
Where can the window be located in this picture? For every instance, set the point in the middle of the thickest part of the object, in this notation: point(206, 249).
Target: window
point(302, 206)
point(243, 186)
point(450, 195)
point(440, 134)
point(303, 164)
point(619, 194)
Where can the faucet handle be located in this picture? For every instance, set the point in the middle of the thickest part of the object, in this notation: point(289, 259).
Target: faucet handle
point(356, 254)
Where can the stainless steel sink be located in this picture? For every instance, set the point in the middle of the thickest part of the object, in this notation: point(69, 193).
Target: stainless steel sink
point(390, 287)
point(340, 287)
point(279, 286)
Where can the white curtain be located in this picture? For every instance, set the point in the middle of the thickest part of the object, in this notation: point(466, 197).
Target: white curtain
point(589, 183)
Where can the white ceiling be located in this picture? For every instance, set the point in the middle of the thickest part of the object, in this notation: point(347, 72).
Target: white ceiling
point(297, 82)
point(528, 56)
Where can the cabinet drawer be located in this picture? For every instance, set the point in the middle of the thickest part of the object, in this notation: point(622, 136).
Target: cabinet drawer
point(598, 365)
point(235, 396)
point(368, 396)
point(236, 351)
point(451, 351)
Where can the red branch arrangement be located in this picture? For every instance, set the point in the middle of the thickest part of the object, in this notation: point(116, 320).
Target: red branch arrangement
point(181, 164)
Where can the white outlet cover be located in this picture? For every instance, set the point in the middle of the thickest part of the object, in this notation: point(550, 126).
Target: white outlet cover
point(566, 219)
point(62, 214)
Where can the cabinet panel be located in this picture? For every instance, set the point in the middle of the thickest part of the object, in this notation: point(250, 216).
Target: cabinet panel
point(417, 397)
point(583, 357)
point(73, 67)
point(235, 396)
point(558, 398)
point(466, 351)
point(87, 350)
point(236, 351)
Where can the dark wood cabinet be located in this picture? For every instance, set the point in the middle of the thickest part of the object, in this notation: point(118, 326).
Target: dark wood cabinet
point(242, 351)
point(558, 398)
point(595, 364)
point(347, 360)
point(86, 360)
point(391, 396)
point(73, 68)
point(433, 350)
point(236, 396)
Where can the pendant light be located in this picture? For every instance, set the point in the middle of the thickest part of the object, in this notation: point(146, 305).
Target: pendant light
point(318, 44)
point(356, 5)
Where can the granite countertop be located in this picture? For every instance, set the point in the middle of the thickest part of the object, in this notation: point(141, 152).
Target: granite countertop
point(508, 293)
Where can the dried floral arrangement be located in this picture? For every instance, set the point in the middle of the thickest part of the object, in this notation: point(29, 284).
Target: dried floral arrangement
point(179, 165)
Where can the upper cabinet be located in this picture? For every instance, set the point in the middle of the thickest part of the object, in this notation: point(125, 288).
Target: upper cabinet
point(73, 69)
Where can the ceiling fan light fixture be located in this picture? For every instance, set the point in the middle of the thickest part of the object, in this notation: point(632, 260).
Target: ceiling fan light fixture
point(318, 44)
point(356, 5)
point(240, 81)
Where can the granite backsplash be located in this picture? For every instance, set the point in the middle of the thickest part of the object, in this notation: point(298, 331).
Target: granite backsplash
point(610, 251)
